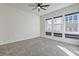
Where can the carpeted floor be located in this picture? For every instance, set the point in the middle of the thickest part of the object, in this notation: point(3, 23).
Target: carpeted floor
point(35, 47)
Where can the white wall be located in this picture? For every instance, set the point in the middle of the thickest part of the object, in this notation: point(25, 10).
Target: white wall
point(16, 25)
point(63, 11)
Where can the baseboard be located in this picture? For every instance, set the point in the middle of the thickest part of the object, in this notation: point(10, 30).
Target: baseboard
point(7, 42)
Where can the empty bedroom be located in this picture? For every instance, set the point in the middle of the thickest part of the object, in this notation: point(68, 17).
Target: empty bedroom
point(39, 29)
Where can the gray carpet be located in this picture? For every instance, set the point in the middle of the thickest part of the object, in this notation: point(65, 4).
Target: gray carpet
point(35, 47)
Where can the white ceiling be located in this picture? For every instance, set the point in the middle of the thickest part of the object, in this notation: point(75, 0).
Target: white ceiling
point(51, 8)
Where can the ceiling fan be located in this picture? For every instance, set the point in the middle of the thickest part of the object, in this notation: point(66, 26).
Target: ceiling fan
point(39, 6)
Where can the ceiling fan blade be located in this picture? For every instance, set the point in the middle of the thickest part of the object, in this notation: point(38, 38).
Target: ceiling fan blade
point(45, 5)
point(43, 8)
point(34, 8)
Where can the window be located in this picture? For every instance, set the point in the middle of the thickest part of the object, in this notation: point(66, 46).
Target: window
point(48, 27)
point(71, 23)
point(72, 26)
point(58, 24)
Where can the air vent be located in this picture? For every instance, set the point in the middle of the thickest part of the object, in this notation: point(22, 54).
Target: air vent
point(73, 36)
point(58, 34)
point(48, 33)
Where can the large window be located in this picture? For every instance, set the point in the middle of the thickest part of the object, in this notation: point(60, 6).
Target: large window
point(71, 23)
point(58, 24)
point(68, 23)
point(72, 26)
point(48, 26)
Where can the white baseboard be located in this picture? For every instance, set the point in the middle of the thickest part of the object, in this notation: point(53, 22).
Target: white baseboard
point(12, 41)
